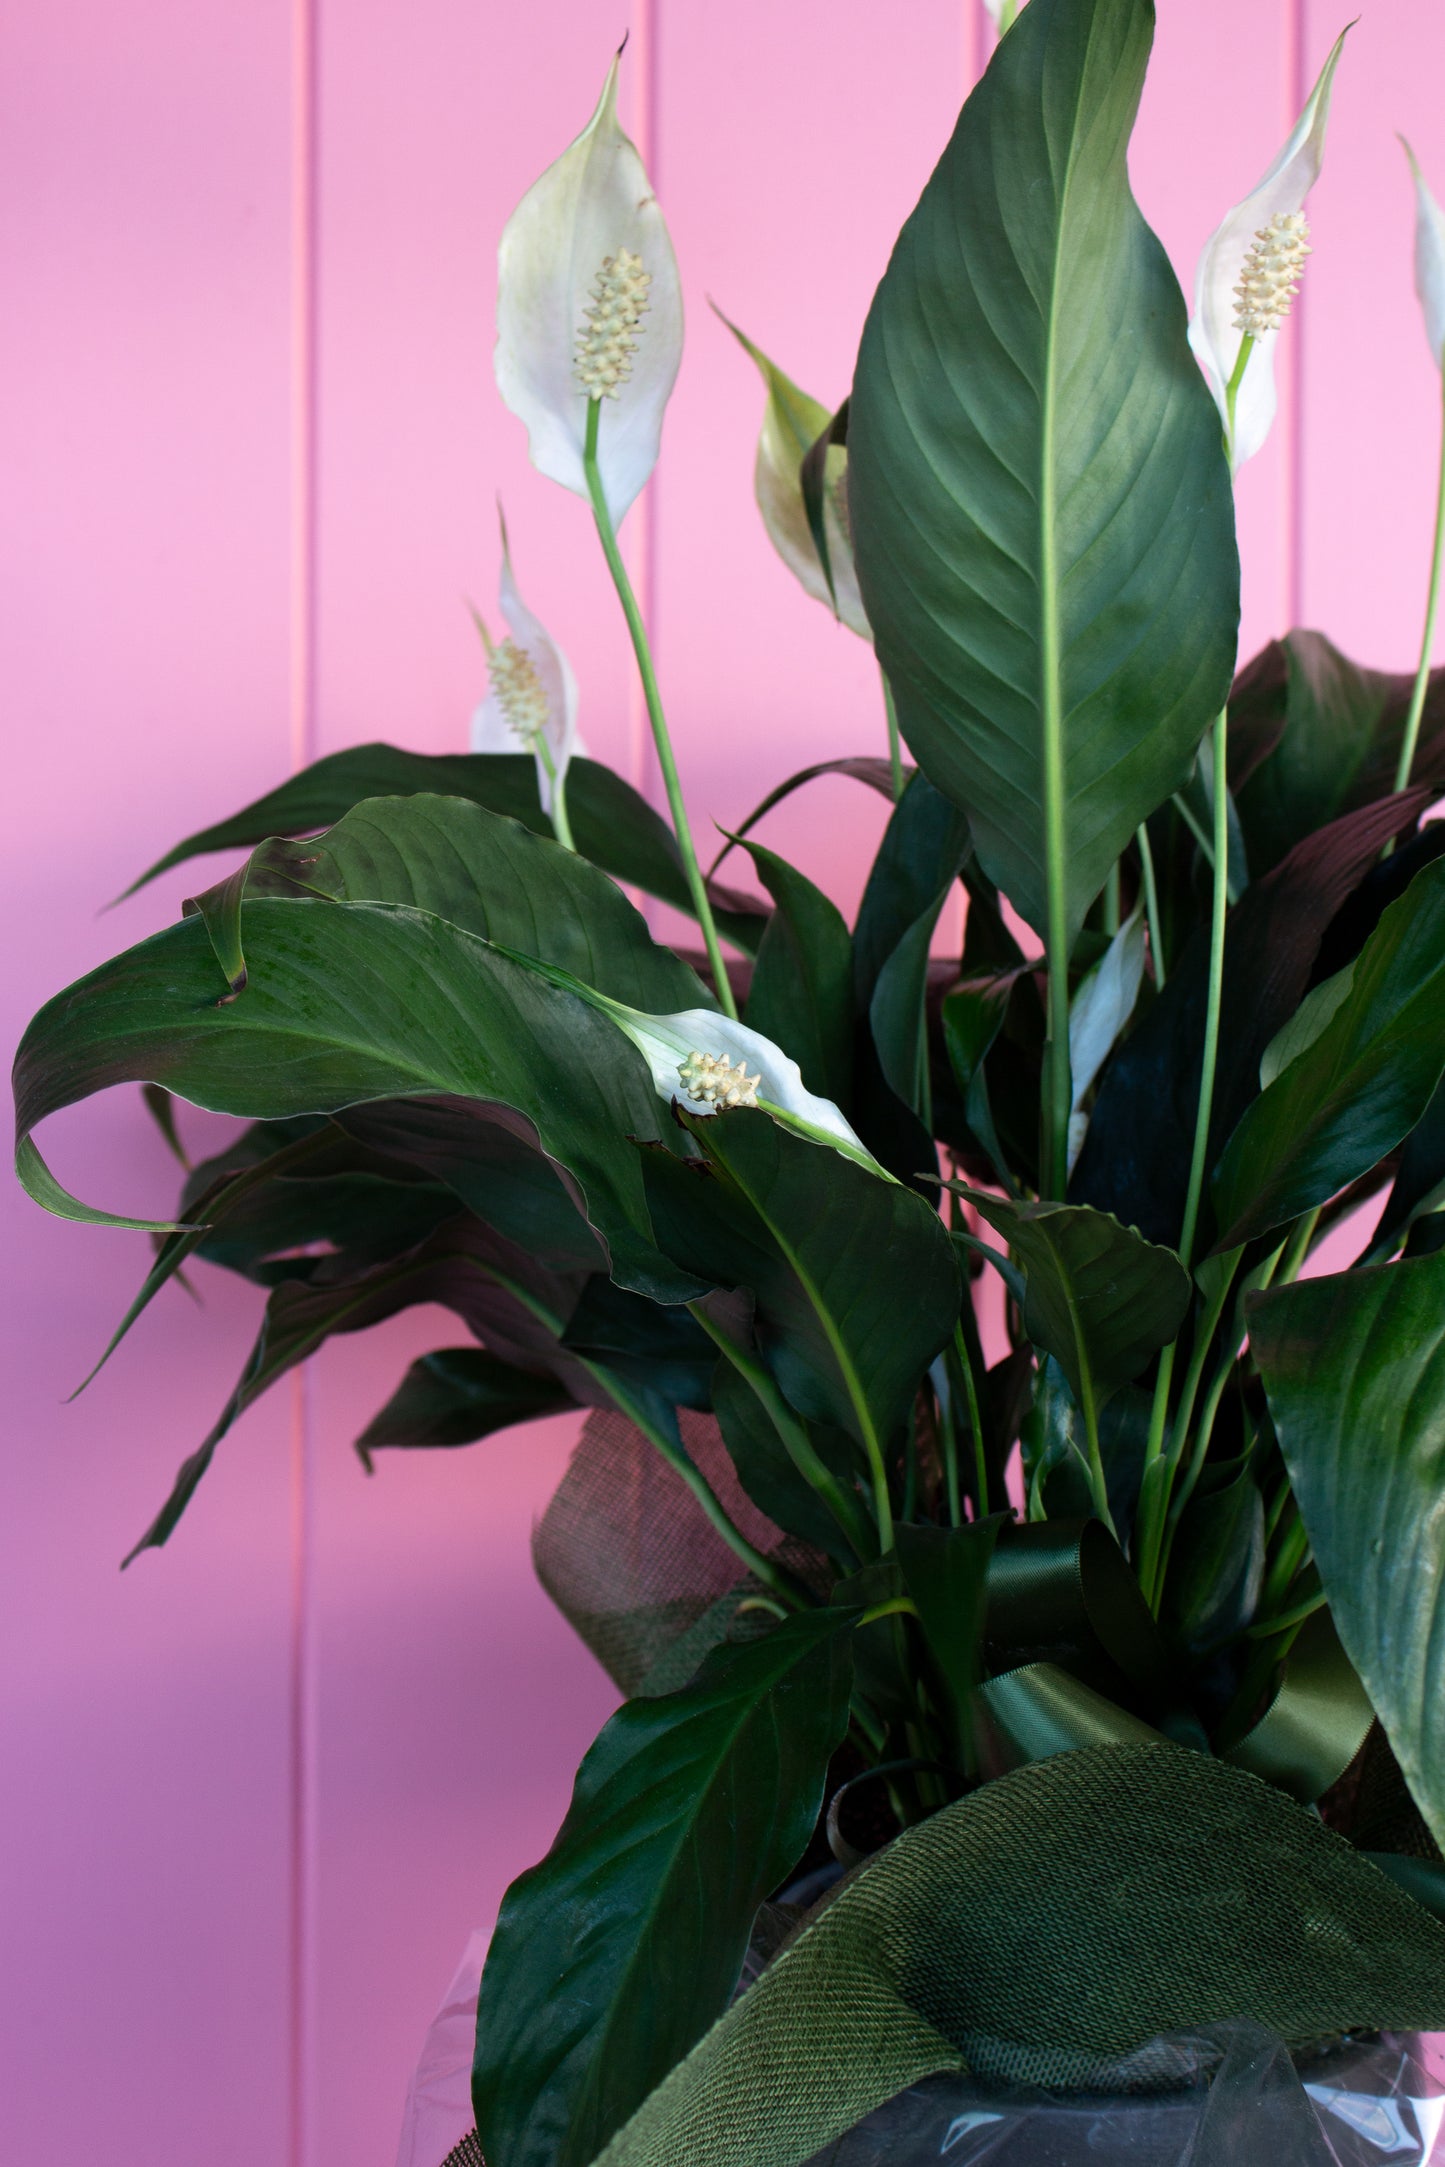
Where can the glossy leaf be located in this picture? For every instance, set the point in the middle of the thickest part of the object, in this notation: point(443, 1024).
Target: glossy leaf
point(456, 1396)
point(1041, 505)
point(611, 824)
point(854, 1279)
point(1216, 1564)
point(1354, 1370)
point(347, 1002)
point(1098, 1297)
point(617, 1952)
point(767, 1473)
point(801, 992)
point(490, 876)
point(1354, 1093)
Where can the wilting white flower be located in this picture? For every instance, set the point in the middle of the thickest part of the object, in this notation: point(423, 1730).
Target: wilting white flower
point(589, 305)
point(531, 703)
point(1101, 1007)
point(792, 424)
point(1248, 274)
point(1429, 260)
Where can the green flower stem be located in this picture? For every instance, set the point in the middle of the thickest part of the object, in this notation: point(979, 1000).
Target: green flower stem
point(1422, 676)
point(561, 826)
point(799, 1447)
point(1154, 1492)
point(1151, 902)
point(895, 743)
point(1231, 389)
point(1294, 1616)
point(897, 1606)
point(697, 889)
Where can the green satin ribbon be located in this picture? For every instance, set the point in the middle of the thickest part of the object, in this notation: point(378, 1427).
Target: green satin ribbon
point(1316, 1722)
point(1077, 1660)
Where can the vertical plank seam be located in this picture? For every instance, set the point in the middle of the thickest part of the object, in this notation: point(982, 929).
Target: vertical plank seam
point(1296, 16)
point(301, 1680)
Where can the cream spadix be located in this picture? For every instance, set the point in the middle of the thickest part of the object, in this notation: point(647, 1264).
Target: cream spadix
point(1248, 275)
point(531, 702)
point(589, 307)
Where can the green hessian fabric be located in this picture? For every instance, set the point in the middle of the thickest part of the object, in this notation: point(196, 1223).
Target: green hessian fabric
point(1042, 1930)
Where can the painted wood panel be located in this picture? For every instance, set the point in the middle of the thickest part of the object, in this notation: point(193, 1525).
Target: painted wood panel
point(261, 1788)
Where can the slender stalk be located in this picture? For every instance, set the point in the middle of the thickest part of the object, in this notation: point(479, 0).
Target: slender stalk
point(561, 826)
point(1422, 675)
point(895, 742)
point(696, 887)
point(1231, 389)
point(1151, 902)
point(1295, 1615)
point(1058, 1100)
point(799, 1447)
point(1154, 1495)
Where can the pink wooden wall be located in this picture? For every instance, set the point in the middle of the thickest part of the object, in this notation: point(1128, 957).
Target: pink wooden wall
point(256, 1791)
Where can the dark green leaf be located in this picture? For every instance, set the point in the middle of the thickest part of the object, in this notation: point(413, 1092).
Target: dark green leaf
point(867, 768)
point(493, 1287)
point(854, 1277)
point(1313, 735)
point(454, 1397)
point(924, 847)
point(897, 1013)
point(660, 1348)
point(768, 1474)
point(1217, 1563)
point(801, 994)
point(1098, 1297)
point(615, 1954)
point(1354, 1370)
point(612, 825)
point(1354, 1093)
point(1136, 1155)
point(973, 1016)
point(1041, 505)
point(354, 1001)
point(945, 1570)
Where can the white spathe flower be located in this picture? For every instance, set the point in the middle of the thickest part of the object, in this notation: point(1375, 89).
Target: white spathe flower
point(708, 1063)
point(1259, 243)
point(531, 703)
point(587, 281)
point(1429, 260)
point(792, 424)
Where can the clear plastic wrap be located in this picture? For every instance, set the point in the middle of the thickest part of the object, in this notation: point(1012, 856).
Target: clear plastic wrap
point(1241, 2101)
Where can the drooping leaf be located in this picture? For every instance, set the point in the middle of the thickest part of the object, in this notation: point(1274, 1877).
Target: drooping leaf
point(1216, 1564)
point(616, 1953)
point(347, 1002)
point(1354, 1370)
point(611, 824)
point(461, 1265)
point(898, 1012)
point(867, 768)
point(1098, 1297)
point(1354, 1093)
point(1419, 1186)
point(1041, 504)
point(854, 1278)
point(924, 846)
point(767, 1473)
point(454, 1397)
point(1313, 735)
point(801, 993)
point(973, 1016)
point(659, 1348)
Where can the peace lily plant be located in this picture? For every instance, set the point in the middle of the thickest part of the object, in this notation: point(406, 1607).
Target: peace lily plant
point(983, 1483)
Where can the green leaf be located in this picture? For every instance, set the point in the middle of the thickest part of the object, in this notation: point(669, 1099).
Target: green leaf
point(1358, 1088)
point(490, 876)
point(1312, 735)
point(876, 772)
point(454, 1397)
point(1098, 1297)
point(1042, 510)
point(659, 1349)
point(801, 994)
point(945, 1570)
point(767, 1472)
point(348, 1002)
point(1354, 1371)
point(616, 1953)
point(611, 824)
point(898, 1012)
point(1216, 1564)
point(854, 1278)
